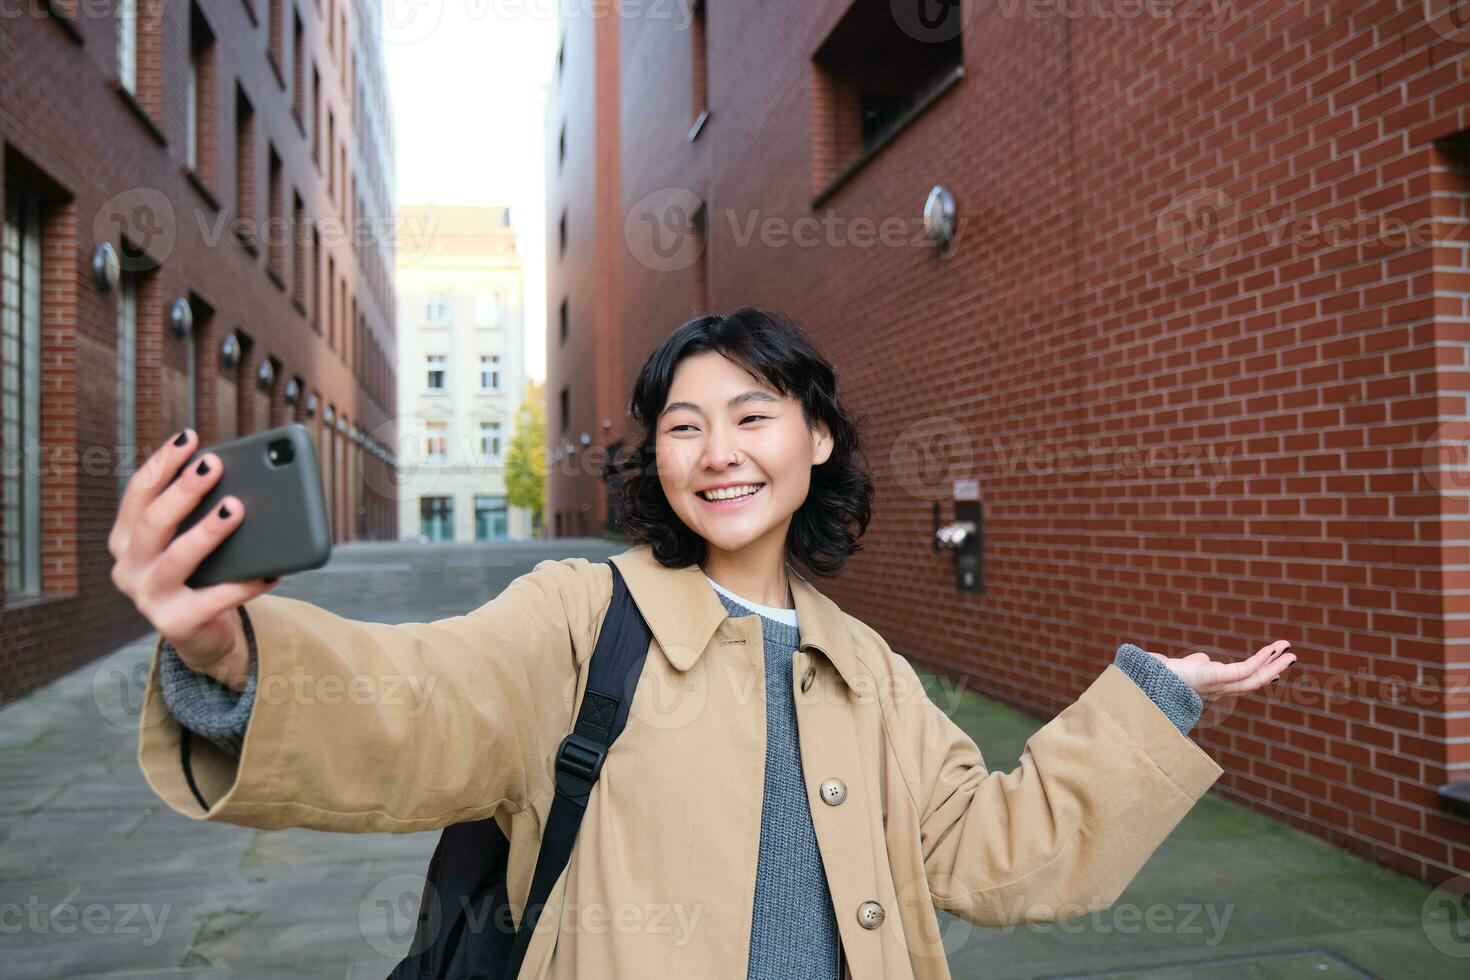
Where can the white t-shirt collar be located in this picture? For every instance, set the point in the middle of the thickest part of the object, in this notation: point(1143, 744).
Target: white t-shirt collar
point(787, 616)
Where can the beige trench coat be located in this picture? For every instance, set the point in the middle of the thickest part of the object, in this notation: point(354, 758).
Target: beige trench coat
point(370, 727)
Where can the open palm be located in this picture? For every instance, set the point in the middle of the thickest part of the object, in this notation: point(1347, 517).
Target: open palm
point(1213, 679)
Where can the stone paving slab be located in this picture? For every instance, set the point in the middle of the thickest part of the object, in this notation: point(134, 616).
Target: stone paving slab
point(100, 881)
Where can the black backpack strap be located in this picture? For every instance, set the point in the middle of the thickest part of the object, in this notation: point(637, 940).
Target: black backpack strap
point(612, 677)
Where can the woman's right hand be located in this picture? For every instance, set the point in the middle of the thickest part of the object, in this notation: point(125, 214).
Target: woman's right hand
point(150, 567)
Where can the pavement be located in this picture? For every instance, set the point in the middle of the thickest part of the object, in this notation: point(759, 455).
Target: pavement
point(99, 879)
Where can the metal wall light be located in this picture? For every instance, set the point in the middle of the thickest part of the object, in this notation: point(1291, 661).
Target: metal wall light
point(939, 217)
point(293, 392)
point(229, 351)
point(311, 406)
point(181, 317)
point(265, 375)
point(106, 270)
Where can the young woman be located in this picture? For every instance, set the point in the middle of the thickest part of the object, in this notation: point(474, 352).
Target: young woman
point(784, 802)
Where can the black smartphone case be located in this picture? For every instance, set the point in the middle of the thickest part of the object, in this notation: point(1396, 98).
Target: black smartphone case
point(285, 527)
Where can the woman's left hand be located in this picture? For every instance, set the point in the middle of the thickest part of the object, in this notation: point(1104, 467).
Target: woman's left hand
point(1212, 679)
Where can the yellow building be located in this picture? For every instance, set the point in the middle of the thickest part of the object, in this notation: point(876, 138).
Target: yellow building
point(461, 364)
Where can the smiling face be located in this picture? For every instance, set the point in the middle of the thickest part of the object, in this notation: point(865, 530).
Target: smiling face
point(716, 412)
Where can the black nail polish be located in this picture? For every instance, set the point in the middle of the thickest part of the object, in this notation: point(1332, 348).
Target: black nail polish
point(181, 438)
point(203, 468)
point(224, 512)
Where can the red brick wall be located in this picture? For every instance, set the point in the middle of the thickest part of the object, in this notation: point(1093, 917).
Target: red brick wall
point(101, 157)
point(585, 188)
point(1137, 271)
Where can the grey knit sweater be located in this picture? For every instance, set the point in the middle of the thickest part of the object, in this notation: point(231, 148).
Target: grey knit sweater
point(793, 928)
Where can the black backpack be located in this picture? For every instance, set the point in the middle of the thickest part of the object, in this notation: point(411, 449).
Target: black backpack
point(465, 929)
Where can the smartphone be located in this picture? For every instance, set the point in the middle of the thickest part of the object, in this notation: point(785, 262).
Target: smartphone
point(275, 474)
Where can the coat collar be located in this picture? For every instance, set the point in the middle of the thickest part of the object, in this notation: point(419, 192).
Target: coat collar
point(683, 611)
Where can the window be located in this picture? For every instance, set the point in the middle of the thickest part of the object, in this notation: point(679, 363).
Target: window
point(489, 372)
point(562, 234)
point(436, 311)
point(490, 440)
point(699, 65)
point(298, 71)
point(566, 413)
point(127, 377)
point(244, 168)
point(436, 518)
point(127, 44)
point(490, 519)
point(316, 113)
point(565, 322)
point(20, 391)
point(436, 439)
point(331, 155)
point(298, 251)
point(487, 310)
point(275, 229)
point(200, 134)
point(275, 50)
point(435, 368)
point(316, 280)
point(872, 76)
point(561, 146)
point(331, 302)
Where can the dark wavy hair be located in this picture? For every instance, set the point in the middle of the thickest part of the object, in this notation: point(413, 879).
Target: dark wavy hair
point(771, 347)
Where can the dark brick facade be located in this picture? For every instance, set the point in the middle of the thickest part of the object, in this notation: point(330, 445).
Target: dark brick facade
point(112, 165)
point(1200, 339)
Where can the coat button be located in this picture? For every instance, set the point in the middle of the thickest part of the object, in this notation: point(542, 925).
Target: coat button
point(807, 678)
point(870, 915)
point(834, 791)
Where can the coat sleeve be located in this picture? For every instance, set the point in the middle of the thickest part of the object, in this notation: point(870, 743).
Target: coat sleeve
point(1097, 790)
point(370, 727)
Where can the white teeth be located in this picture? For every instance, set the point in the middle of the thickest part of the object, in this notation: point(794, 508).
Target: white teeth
point(730, 493)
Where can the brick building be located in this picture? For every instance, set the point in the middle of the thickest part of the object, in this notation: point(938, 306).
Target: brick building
point(1200, 336)
point(235, 159)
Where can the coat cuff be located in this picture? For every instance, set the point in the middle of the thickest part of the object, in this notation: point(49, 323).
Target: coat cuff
point(204, 705)
point(1175, 698)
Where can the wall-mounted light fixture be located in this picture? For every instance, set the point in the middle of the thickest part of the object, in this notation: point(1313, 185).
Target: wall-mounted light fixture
point(939, 217)
point(293, 392)
point(328, 415)
point(265, 375)
point(229, 351)
point(181, 317)
point(106, 269)
point(311, 406)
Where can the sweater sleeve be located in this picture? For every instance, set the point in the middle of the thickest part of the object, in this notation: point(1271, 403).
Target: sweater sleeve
point(204, 705)
point(1175, 698)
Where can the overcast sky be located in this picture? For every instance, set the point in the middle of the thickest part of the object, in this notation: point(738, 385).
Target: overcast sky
point(468, 82)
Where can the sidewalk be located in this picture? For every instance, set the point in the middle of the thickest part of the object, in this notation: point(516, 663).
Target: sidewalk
point(99, 879)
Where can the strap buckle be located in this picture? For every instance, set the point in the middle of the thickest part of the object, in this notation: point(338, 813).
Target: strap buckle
point(578, 763)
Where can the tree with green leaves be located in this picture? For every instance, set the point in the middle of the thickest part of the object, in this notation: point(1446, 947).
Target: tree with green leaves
point(525, 460)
